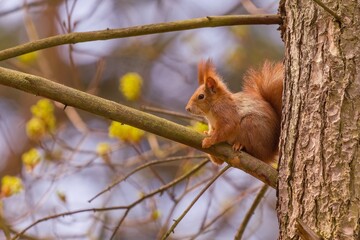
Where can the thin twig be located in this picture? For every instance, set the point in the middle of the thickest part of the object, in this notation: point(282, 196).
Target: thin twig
point(177, 221)
point(19, 8)
point(159, 190)
point(116, 182)
point(186, 191)
point(137, 148)
point(321, 4)
point(77, 37)
point(122, 219)
point(240, 198)
point(250, 212)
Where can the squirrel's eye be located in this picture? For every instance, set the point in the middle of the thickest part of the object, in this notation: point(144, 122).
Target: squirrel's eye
point(201, 96)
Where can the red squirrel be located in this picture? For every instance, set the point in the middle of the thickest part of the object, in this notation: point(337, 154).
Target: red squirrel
point(248, 120)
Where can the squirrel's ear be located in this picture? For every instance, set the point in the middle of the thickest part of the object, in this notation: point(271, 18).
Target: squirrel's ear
point(211, 84)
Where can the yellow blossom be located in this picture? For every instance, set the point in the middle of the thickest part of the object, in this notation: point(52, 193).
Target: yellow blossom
point(125, 132)
point(50, 122)
point(43, 120)
point(28, 58)
point(44, 110)
point(35, 128)
point(30, 159)
point(103, 148)
point(200, 127)
point(130, 86)
point(156, 214)
point(10, 185)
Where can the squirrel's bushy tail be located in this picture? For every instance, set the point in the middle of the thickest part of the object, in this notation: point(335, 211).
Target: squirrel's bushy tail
point(267, 84)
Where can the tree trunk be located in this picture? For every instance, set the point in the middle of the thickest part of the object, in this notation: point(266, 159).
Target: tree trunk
point(319, 170)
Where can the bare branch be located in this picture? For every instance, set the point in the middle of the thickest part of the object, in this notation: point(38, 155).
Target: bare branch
point(306, 232)
point(229, 207)
point(250, 212)
point(177, 221)
point(321, 4)
point(77, 37)
point(21, 7)
point(117, 112)
point(116, 182)
point(127, 208)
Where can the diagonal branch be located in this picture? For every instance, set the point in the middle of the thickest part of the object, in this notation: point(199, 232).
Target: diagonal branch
point(250, 212)
point(321, 4)
point(123, 207)
point(77, 37)
point(177, 221)
point(117, 181)
point(150, 123)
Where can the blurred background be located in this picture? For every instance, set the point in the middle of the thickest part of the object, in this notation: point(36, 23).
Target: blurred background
point(73, 156)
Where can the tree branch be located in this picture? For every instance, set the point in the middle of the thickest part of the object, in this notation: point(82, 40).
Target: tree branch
point(321, 4)
point(250, 212)
point(177, 221)
point(306, 232)
point(77, 37)
point(143, 166)
point(150, 123)
point(123, 207)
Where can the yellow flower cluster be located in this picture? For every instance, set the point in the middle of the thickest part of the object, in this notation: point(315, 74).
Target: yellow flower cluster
point(10, 185)
point(30, 159)
point(125, 132)
point(200, 127)
point(43, 120)
point(130, 86)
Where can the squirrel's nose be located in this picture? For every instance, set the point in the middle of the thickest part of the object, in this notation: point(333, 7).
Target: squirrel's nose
point(188, 109)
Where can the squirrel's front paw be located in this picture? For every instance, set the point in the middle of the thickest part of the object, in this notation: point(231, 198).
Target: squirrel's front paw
point(237, 147)
point(206, 143)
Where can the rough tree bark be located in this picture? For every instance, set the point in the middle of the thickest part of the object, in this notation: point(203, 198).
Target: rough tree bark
point(319, 170)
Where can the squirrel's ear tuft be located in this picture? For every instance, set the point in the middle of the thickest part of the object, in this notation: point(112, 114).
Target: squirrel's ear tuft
point(207, 75)
point(209, 66)
point(212, 79)
point(201, 72)
point(205, 69)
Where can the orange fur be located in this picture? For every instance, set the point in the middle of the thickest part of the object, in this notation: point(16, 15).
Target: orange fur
point(249, 119)
point(267, 84)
